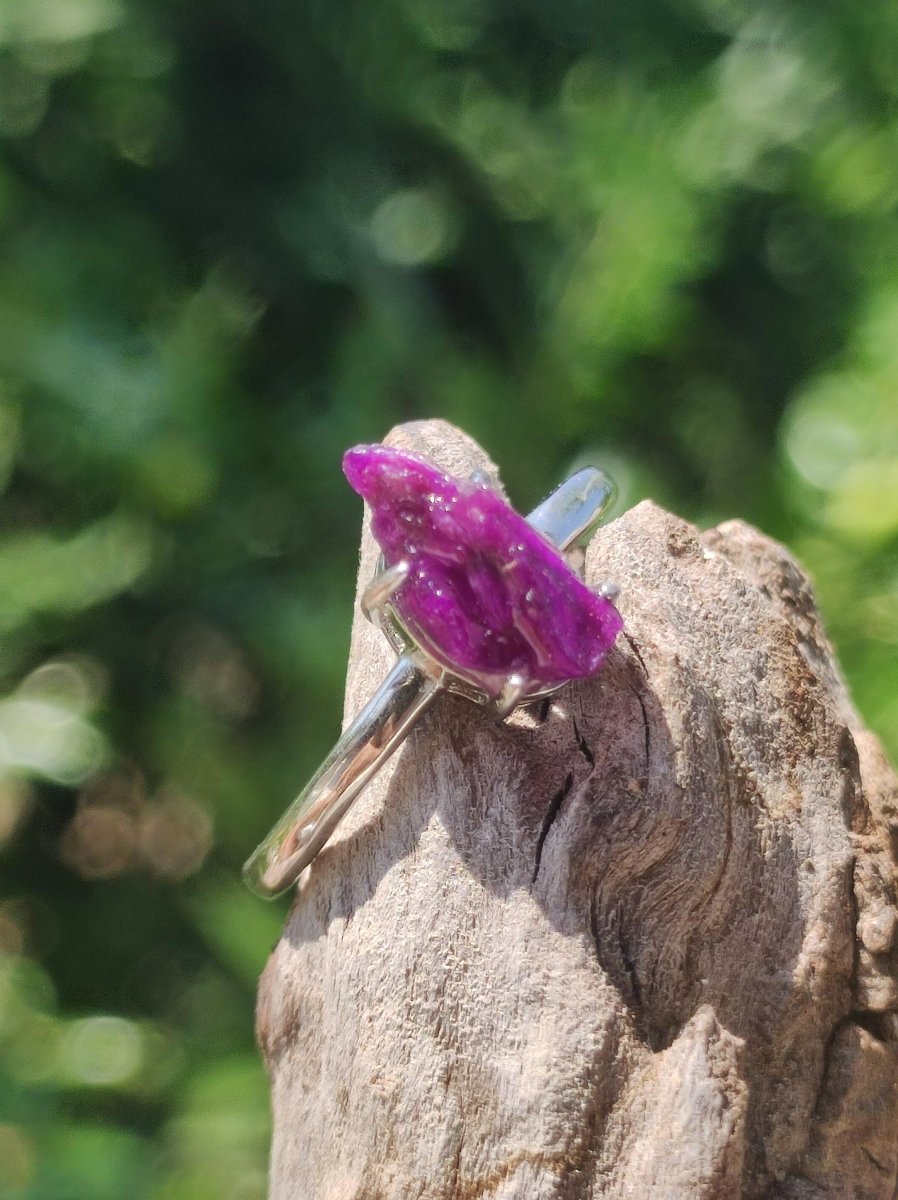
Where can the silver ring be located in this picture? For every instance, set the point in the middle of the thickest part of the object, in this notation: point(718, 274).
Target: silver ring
point(566, 519)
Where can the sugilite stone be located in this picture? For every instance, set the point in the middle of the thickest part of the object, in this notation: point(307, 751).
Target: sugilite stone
point(486, 594)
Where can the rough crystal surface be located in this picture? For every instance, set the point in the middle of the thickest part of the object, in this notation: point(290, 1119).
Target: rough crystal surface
point(486, 594)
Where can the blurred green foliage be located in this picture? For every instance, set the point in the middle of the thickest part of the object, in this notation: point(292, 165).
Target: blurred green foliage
point(238, 239)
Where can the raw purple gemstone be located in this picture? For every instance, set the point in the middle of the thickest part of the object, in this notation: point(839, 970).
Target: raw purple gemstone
point(486, 595)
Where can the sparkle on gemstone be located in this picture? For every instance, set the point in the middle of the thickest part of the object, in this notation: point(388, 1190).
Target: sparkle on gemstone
point(486, 595)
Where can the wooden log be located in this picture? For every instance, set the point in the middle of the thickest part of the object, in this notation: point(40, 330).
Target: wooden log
point(638, 942)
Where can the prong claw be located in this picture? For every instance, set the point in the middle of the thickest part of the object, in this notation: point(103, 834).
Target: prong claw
point(609, 590)
point(511, 695)
point(481, 478)
point(382, 587)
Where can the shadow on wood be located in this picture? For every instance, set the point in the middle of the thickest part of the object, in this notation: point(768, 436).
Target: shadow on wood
point(638, 942)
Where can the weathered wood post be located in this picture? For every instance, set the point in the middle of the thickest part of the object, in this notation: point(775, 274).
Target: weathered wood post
point(640, 942)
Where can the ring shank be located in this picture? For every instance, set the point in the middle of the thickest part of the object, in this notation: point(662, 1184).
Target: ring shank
point(371, 738)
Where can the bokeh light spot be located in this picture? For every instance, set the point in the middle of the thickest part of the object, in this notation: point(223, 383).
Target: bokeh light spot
point(412, 227)
point(175, 836)
point(47, 738)
point(176, 474)
point(99, 842)
point(214, 671)
point(72, 685)
point(102, 1051)
point(821, 440)
point(865, 502)
point(858, 171)
point(24, 21)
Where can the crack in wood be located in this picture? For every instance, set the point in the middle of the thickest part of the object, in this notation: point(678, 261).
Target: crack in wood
point(637, 692)
point(548, 820)
point(582, 744)
point(876, 1163)
point(647, 737)
point(631, 642)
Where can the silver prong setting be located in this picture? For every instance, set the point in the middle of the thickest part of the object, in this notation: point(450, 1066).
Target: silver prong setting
point(382, 587)
point(511, 695)
point(481, 478)
point(609, 590)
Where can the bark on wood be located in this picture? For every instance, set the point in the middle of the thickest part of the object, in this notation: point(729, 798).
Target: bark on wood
point(640, 942)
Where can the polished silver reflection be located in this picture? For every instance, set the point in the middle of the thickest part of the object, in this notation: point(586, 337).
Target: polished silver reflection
point(567, 518)
point(571, 515)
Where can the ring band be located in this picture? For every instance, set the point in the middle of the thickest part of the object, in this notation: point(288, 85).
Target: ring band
point(567, 519)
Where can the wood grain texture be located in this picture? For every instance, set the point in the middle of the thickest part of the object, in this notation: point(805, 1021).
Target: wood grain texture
point(637, 943)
